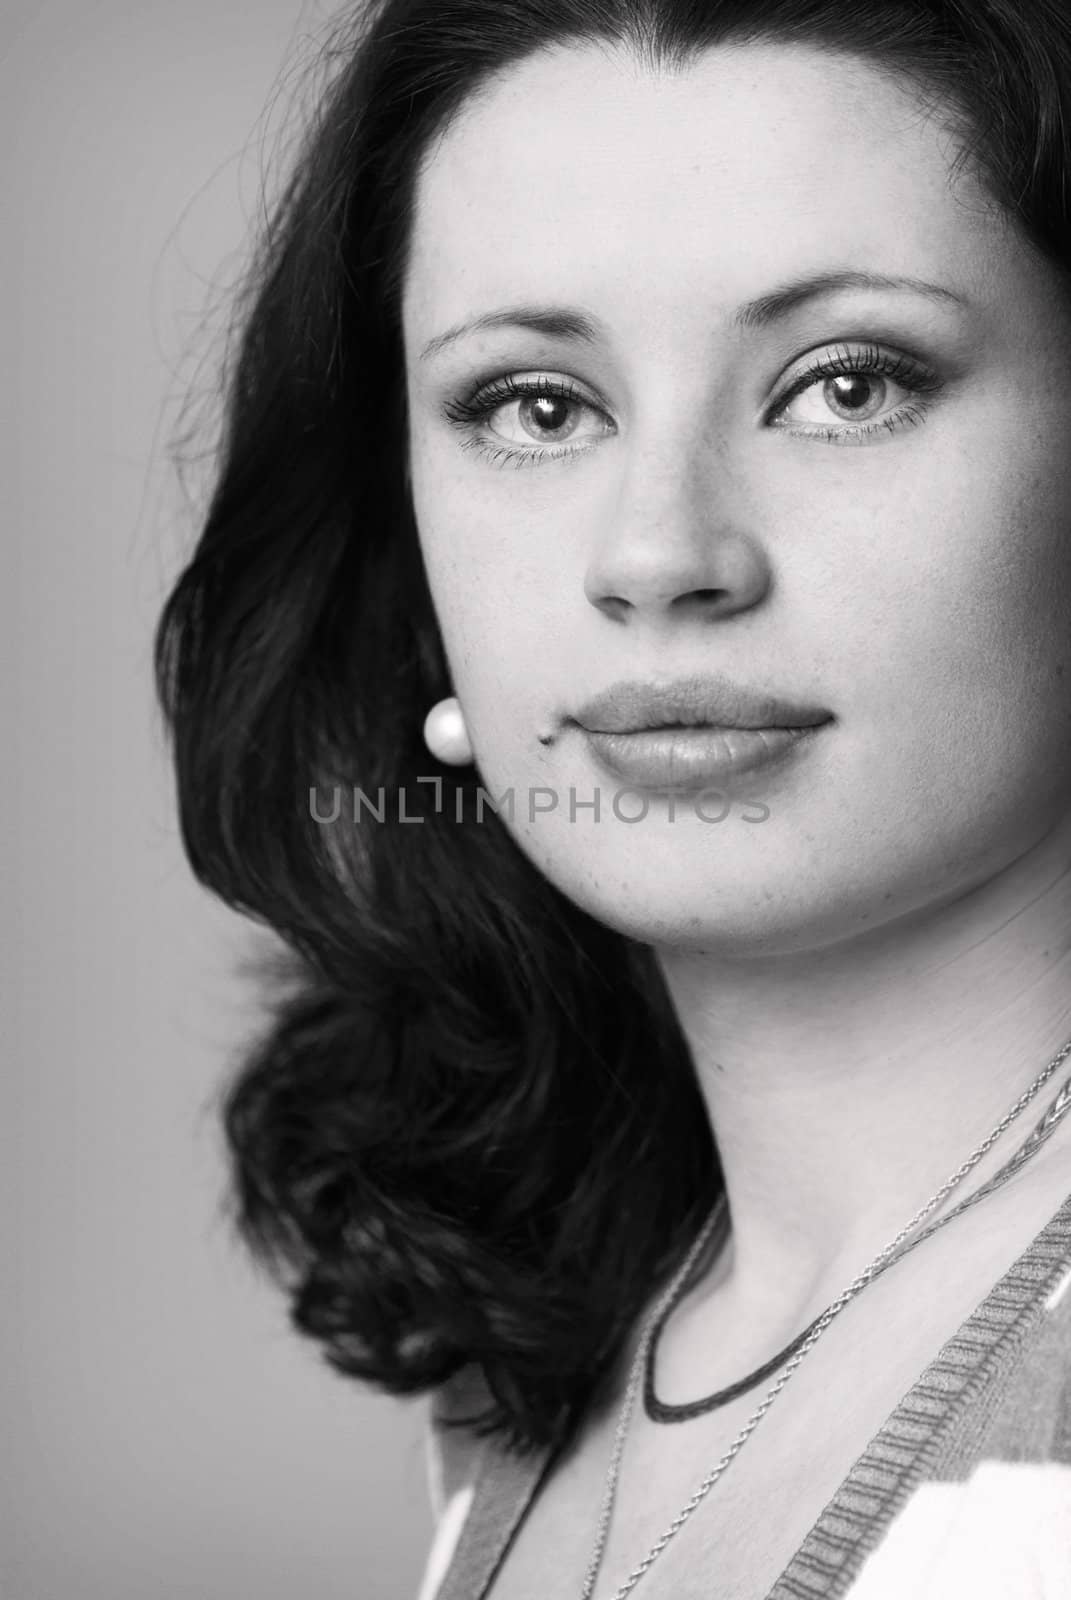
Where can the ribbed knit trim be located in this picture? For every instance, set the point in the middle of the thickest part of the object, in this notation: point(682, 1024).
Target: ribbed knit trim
point(933, 1431)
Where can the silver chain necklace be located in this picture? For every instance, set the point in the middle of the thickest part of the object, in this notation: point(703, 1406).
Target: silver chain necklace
point(894, 1251)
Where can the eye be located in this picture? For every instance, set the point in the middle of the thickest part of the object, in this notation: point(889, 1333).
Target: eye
point(524, 415)
point(851, 396)
point(538, 417)
point(852, 391)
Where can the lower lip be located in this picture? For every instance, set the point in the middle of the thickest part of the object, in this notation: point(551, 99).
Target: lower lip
point(683, 760)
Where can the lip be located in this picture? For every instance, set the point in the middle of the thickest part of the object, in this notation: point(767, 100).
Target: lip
point(709, 701)
point(687, 759)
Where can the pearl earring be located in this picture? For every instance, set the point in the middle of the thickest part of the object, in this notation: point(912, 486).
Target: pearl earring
point(446, 735)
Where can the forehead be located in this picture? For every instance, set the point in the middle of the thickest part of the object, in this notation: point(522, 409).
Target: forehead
point(581, 172)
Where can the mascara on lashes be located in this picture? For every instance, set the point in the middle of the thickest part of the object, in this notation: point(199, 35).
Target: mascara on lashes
point(914, 376)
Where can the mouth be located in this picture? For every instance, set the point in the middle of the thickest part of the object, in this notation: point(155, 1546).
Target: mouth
point(698, 727)
point(708, 704)
point(687, 734)
point(686, 758)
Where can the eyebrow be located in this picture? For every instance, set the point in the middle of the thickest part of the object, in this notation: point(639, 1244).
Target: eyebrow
point(563, 322)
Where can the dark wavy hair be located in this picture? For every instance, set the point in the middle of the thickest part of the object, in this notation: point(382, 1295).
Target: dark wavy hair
point(470, 1130)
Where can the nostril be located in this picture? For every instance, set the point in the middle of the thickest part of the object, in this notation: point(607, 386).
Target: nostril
point(613, 606)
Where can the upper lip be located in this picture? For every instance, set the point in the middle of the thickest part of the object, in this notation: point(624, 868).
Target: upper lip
point(707, 700)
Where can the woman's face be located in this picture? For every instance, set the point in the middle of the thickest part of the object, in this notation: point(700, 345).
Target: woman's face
point(764, 456)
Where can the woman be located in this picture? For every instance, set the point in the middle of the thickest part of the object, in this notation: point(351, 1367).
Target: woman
point(735, 1032)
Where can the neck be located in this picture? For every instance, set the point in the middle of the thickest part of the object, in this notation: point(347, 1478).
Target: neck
point(845, 1085)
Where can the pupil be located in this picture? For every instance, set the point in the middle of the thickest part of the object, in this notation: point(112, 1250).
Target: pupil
point(541, 403)
point(853, 390)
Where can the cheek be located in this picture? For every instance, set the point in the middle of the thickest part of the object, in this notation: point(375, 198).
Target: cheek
point(958, 709)
point(506, 578)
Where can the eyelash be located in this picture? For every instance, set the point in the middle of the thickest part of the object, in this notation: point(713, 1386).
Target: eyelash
point(919, 381)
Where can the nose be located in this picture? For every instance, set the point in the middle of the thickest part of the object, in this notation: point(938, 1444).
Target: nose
point(678, 542)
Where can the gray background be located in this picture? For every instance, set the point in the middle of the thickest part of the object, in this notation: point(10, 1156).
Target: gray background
point(162, 1433)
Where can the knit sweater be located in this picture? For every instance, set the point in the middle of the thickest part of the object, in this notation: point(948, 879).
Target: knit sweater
point(965, 1490)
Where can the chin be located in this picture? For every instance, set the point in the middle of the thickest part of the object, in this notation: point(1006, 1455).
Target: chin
point(777, 898)
point(669, 897)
